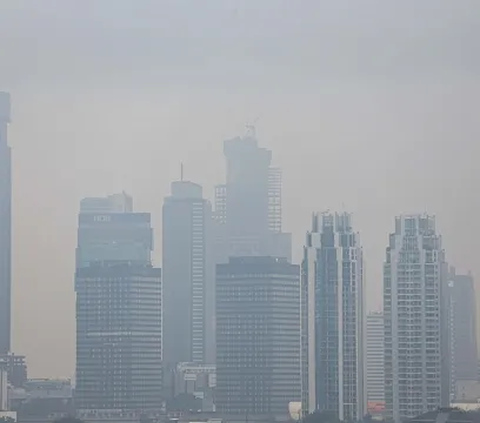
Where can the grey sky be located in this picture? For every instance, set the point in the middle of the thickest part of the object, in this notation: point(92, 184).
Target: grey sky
point(368, 104)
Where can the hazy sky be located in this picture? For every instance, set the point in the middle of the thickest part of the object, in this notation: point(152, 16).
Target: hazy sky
point(367, 105)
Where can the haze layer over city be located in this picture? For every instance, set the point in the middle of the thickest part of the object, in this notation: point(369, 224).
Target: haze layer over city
point(368, 107)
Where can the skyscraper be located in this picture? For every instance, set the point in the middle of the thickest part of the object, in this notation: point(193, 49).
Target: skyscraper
point(188, 276)
point(333, 319)
point(415, 324)
point(108, 230)
point(375, 358)
point(462, 315)
point(258, 341)
point(5, 226)
point(118, 310)
point(249, 205)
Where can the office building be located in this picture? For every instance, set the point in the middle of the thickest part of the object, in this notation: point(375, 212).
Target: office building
point(194, 379)
point(416, 358)
point(188, 277)
point(462, 315)
point(108, 230)
point(258, 337)
point(16, 367)
point(333, 319)
point(119, 361)
point(118, 312)
point(248, 208)
point(5, 226)
point(375, 361)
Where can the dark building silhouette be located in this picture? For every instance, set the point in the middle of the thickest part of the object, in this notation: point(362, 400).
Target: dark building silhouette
point(461, 307)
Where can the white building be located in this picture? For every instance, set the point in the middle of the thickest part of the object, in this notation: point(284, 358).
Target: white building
point(333, 319)
point(375, 358)
point(414, 271)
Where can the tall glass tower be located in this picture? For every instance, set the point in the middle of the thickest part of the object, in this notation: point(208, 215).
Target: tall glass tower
point(333, 319)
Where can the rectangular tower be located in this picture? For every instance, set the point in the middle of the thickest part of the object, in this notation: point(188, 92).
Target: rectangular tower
point(119, 335)
point(375, 359)
point(258, 337)
point(248, 208)
point(118, 310)
point(5, 226)
point(188, 276)
point(415, 326)
point(106, 233)
point(461, 315)
point(333, 319)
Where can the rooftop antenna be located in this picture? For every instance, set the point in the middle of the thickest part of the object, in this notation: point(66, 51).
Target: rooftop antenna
point(181, 171)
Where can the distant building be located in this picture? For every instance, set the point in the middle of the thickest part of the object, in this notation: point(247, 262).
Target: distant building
point(198, 380)
point(5, 226)
point(118, 312)
point(41, 398)
point(16, 367)
point(333, 319)
point(258, 337)
point(119, 362)
point(416, 348)
point(108, 231)
point(248, 208)
point(446, 415)
point(461, 306)
point(375, 358)
point(188, 277)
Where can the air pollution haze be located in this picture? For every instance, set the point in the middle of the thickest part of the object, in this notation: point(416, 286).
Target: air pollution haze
point(370, 107)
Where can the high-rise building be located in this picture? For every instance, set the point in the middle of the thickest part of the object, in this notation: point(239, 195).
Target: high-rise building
point(333, 319)
point(5, 226)
point(258, 337)
point(462, 315)
point(16, 367)
point(375, 361)
point(188, 277)
point(416, 360)
point(248, 208)
point(108, 230)
point(119, 331)
point(118, 311)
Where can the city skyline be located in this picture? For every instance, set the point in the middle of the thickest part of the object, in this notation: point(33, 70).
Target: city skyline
point(371, 105)
point(121, 203)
